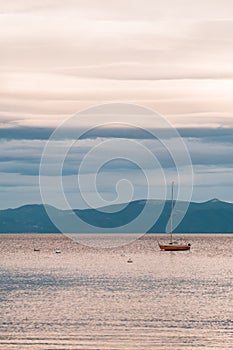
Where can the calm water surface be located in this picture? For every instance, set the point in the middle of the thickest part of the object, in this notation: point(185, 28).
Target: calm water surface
point(86, 298)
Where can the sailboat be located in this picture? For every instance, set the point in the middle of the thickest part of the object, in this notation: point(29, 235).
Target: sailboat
point(174, 245)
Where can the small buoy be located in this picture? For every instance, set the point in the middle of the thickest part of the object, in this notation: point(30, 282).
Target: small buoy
point(129, 260)
point(57, 251)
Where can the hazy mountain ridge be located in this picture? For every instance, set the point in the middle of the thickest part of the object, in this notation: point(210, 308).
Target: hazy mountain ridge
point(213, 216)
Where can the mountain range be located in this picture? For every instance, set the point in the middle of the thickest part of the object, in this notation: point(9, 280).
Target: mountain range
point(213, 216)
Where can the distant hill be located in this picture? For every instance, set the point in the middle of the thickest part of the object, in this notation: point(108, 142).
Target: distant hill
point(213, 216)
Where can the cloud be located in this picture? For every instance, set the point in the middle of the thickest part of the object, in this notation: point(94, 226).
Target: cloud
point(68, 56)
point(20, 161)
point(25, 133)
point(209, 135)
point(22, 153)
point(137, 71)
point(204, 134)
point(57, 58)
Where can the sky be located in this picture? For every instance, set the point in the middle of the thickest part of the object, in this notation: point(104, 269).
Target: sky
point(59, 58)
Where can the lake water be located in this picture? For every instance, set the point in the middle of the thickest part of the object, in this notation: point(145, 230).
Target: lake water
point(87, 298)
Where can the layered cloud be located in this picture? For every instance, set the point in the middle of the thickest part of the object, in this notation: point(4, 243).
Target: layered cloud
point(210, 151)
point(58, 58)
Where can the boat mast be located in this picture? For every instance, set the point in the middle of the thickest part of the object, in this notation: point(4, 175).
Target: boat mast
point(171, 228)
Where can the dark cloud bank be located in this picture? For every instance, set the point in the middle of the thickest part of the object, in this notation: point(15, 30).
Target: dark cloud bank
point(221, 135)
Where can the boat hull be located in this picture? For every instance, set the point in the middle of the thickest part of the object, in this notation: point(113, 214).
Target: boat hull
point(170, 247)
